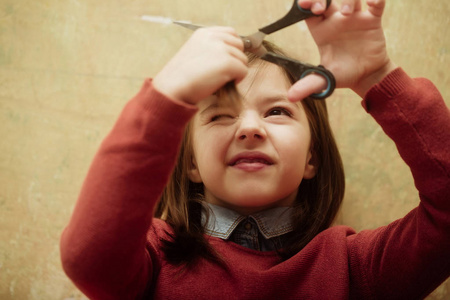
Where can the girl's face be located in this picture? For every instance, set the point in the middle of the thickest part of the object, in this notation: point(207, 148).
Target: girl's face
point(252, 157)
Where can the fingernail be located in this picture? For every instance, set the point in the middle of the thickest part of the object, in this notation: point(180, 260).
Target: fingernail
point(317, 7)
point(346, 9)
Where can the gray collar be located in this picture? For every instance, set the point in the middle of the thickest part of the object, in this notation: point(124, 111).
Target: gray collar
point(271, 223)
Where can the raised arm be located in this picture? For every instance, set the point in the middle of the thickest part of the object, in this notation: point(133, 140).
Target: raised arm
point(104, 248)
point(410, 257)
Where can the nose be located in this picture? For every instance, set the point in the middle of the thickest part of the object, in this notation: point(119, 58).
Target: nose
point(251, 127)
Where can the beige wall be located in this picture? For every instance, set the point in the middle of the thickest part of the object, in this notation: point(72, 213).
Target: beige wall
point(68, 66)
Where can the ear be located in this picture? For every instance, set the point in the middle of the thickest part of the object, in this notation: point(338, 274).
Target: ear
point(193, 172)
point(311, 166)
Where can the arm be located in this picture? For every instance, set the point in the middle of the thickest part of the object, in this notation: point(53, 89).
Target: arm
point(410, 257)
point(104, 248)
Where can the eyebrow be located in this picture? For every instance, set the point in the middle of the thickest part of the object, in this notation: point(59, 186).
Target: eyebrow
point(280, 98)
point(212, 106)
point(268, 100)
point(275, 98)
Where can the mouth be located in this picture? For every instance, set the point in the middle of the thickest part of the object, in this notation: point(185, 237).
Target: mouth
point(256, 158)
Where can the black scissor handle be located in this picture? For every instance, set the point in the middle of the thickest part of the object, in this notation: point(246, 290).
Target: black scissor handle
point(296, 14)
point(298, 70)
point(329, 77)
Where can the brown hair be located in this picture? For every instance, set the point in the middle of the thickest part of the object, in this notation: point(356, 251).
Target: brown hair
point(315, 208)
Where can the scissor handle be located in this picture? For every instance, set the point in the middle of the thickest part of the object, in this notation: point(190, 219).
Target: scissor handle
point(309, 11)
point(329, 77)
point(296, 14)
point(298, 70)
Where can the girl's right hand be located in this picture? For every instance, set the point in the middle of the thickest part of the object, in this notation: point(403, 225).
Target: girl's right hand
point(212, 57)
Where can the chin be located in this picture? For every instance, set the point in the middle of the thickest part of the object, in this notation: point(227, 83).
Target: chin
point(256, 202)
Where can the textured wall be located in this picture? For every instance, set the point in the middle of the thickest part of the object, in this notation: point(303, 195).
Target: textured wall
point(67, 67)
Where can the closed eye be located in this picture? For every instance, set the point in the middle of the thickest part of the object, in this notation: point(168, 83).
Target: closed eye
point(219, 117)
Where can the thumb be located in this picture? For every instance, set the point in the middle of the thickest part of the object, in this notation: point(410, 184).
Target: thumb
point(311, 84)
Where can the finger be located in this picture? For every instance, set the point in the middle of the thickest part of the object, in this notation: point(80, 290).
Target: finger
point(358, 5)
point(376, 7)
point(318, 7)
point(238, 54)
point(225, 34)
point(238, 70)
point(332, 9)
point(350, 6)
point(221, 32)
point(306, 86)
point(305, 4)
point(234, 41)
point(225, 29)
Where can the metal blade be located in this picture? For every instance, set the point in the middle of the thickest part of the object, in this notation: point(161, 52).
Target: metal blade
point(253, 43)
point(188, 25)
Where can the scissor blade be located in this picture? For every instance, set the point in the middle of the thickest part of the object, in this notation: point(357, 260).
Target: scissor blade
point(188, 25)
point(253, 43)
point(156, 19)
point(296, 14)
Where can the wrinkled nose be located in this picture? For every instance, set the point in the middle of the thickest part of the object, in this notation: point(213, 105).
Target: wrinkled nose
point(251, 128)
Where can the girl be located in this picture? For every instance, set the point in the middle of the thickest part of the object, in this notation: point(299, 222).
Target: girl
point(246, 212)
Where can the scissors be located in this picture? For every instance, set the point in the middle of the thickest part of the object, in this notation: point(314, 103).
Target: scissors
point(297, 69)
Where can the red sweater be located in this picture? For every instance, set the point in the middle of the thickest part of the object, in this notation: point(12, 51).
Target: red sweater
point(111, 247)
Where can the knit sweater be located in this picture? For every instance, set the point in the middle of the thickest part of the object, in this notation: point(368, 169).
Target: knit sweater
point(111, 248)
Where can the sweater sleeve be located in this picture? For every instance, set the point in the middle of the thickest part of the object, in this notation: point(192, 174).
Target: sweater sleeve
point(103, 248)
point(410, 257)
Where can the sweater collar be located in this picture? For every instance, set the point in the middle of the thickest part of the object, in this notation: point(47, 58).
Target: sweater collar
point(221, 222)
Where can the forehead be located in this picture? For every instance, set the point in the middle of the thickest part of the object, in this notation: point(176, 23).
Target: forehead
point(264, 78)
point(265, 82)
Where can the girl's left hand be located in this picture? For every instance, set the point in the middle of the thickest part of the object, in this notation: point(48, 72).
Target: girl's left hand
point(351, 44)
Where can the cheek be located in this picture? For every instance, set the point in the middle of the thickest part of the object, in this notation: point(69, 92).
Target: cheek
point(294, 146)
point(210, 148)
